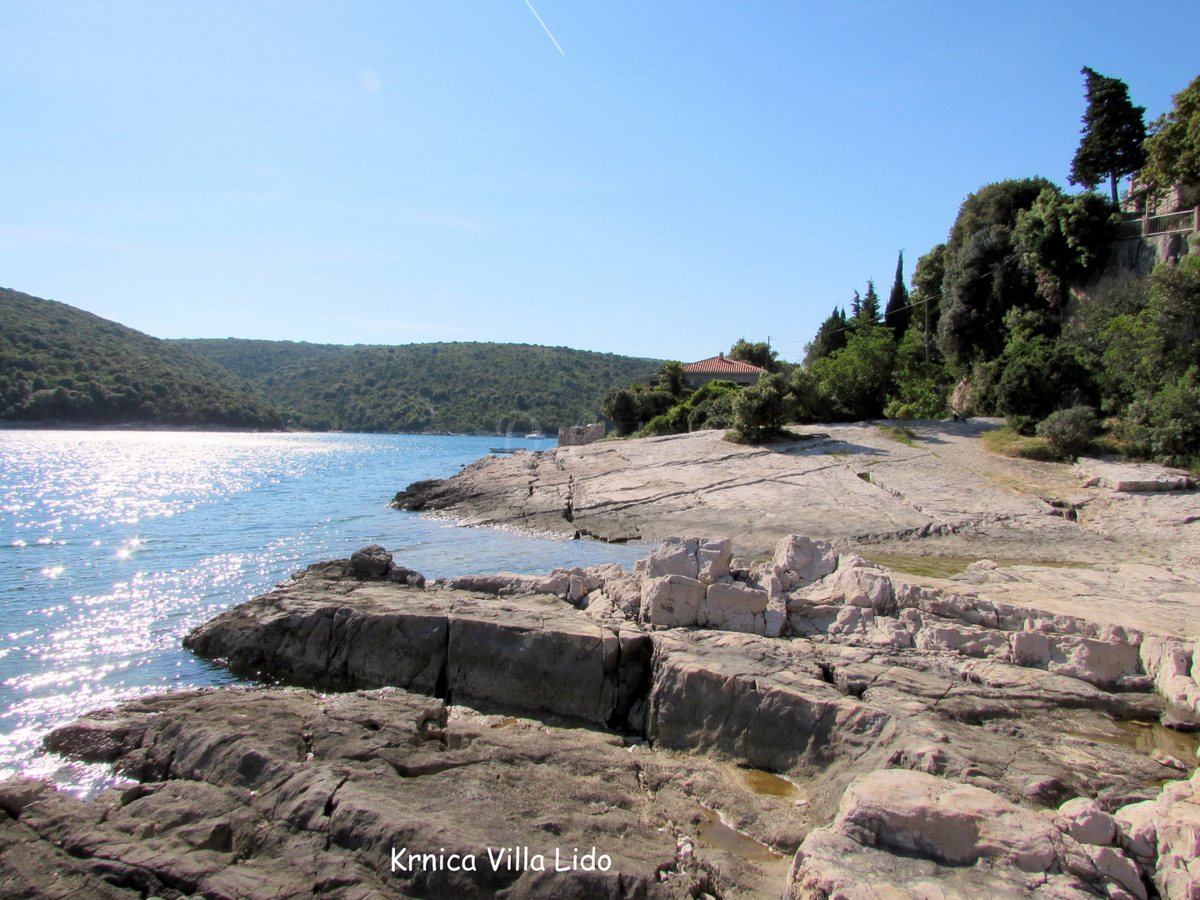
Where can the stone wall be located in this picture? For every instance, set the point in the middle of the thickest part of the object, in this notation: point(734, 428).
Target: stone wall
point(576, 435)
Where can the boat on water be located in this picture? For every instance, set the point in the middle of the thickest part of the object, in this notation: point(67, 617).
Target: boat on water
point(503, 449)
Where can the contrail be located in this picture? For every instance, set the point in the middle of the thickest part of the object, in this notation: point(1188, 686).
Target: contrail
point(539, 18)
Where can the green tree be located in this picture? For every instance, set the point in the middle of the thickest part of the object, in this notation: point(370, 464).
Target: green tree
point(672, 378)
point(1145, 349)
point(984, 277)
point(868, 314)
point(897, 314)
point(855, 380)
point(1039, 374)
point(926, 298)
point(805, 400)
point(1065, 240)
point(831, 336)
point(1114, 132)
point(759, 354)
point(921, 389)
point(1173, 148)
point(621, 406)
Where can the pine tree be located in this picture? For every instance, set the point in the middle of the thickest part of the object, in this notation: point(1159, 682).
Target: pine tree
point(1113, 134)
point(897, 315)
point(869, 312)
point(856, 307)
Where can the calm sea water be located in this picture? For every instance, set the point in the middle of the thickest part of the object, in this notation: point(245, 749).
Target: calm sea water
point(113, 545)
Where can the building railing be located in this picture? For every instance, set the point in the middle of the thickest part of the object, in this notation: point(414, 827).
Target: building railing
point(1168, 223)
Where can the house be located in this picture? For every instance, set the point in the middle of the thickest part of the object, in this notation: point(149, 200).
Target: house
point(723, 368)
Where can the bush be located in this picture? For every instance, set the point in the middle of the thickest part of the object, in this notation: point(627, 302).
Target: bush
point(714, 412)
point(805, 401)
point(1039, 374)
point(1166, 426)
point(1070, 431)
point(675, 421)
point(760, 410)
point(855, 379)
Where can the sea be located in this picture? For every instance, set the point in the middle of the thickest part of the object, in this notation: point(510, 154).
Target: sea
point(115, 544)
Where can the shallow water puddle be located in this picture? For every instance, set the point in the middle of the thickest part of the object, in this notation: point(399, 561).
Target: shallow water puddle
point(1147, 737)
point(1150, 736)
point(756, 781)
point(719, 836)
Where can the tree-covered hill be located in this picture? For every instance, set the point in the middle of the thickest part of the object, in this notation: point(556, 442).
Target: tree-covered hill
point(456, 387)
point(59, 363)
point(255, 359)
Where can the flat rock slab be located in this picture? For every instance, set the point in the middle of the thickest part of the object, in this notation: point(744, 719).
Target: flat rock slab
point(1151, 598)
point(268, 793)
point(1131, 477)
point(533, 653)
point(854, 485)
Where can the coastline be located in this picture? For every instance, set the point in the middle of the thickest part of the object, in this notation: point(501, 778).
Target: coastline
point(997, 702)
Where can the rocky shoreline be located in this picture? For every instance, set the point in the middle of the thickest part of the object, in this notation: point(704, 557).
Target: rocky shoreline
point(810, 725)
point(939, 494)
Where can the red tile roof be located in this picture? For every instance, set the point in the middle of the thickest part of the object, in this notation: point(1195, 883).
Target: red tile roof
point(721, 364)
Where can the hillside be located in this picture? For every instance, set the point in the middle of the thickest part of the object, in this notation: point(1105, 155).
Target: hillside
point(59, 363)
point(458, 387)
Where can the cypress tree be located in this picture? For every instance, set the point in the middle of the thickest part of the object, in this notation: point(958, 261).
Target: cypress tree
point(1113, 134)
point(897, 315)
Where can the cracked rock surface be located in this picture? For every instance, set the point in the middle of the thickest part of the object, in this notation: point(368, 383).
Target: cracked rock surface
point(850, 484)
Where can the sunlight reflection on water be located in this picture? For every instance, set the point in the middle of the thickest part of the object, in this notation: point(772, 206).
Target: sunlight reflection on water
point(114, 544)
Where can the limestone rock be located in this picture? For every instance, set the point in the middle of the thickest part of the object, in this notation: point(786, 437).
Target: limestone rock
point(803, 559)
point(1087, 823)
point(1131, 477)
point(671, 601)
point(1164, 834)
point(941, 832)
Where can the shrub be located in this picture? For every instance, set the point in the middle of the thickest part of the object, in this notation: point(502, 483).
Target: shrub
point(714, 412)
point(674, 421)
point(855, 379)
point(1070, 431)
point(1166, 426)
point(760, 410)
point(1039, 374)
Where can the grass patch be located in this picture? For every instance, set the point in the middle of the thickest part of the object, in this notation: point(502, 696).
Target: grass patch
point(838, 454)
point(1006, 442)
point(900, 433)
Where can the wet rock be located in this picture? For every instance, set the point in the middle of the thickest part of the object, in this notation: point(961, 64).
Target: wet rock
point(421, 495)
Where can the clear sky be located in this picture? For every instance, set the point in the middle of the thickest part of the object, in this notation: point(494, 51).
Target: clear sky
point(393, 171)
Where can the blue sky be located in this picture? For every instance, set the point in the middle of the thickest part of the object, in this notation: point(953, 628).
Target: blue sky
point(394, 172)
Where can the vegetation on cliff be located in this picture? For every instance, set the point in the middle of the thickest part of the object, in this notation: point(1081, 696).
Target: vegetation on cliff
point(1008, 317)
point(62, 364)
point(450, 387)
